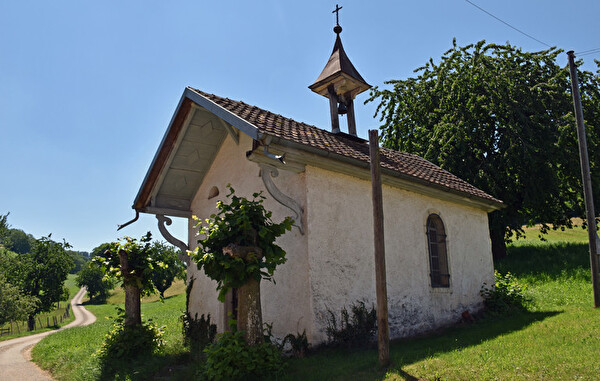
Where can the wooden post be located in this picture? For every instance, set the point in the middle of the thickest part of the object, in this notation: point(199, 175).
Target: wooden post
point(383, 337)
point(587, 180)
point(333, 110)
point(350, 116)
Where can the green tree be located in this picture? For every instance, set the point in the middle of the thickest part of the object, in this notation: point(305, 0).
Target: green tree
point(132, 263)
point(79, 260)
point(4, 229)
point(92, 278)
point(501, 119)
point(19, 241)
point(171, 268)
point(41, 273)
point(238, 251)
point(13, 304)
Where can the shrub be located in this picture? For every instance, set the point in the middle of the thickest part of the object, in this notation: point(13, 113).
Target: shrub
point(505, 296)
point(298, 343)
point(198, 333)
point(123, 344)
point(357, 331)
point(231, 358)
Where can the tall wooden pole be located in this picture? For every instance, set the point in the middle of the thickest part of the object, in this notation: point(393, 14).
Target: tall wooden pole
point(587, 180)
point(383, 336)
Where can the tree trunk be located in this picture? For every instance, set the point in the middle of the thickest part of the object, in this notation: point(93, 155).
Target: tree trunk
point(498, 243)
point(31, 323)
point(250, 312)
point(133, 311)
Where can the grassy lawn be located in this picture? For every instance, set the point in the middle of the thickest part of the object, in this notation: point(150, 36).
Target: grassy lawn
point(46, 318)
point(69, 354)
point(557, 338)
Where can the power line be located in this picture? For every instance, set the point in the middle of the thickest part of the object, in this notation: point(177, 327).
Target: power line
point(507, 24)
point(588, 52)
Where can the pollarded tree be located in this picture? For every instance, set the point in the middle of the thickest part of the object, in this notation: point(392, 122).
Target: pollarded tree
point(238, 250)
point(132, 263)
point(501, 119)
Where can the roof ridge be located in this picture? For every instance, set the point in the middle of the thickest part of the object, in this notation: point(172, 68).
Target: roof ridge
point(403, 163)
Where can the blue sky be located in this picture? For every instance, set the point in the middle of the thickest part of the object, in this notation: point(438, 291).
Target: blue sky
point(87, 89)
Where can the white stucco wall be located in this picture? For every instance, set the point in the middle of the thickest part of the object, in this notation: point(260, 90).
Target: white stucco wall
point(331, 266)
point(286, 304)
point(341, 259)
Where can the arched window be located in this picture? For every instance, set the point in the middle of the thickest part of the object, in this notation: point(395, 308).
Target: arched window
point(438, 259)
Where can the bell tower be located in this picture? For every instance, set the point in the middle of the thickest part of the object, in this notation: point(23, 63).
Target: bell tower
point(340, 83)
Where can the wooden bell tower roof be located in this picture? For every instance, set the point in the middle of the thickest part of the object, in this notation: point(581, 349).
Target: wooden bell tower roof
point(340, 72)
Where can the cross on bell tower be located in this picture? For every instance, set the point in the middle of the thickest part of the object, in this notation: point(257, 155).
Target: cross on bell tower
point(340, 82)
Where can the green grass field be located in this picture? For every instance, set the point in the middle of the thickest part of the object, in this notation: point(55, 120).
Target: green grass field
point(555, 339)
point(69, 354)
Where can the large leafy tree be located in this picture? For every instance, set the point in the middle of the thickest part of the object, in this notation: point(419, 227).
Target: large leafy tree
point(41, 274)
point(19, 241)
point(501, 119)
point(92, 278)
point(13, 304)
point(171, 268)
point(4, 229)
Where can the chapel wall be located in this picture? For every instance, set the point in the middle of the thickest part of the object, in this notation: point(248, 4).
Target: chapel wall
point(341, 259)
point(285, 304)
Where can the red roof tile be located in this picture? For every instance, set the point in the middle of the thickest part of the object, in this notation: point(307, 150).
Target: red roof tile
point(406, 165)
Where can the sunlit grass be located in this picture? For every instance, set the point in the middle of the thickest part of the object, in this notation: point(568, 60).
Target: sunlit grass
point(69, 354)
point(118, 294)
point(556, 339)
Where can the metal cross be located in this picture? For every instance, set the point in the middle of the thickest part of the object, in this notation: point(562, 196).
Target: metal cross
point(337, 14)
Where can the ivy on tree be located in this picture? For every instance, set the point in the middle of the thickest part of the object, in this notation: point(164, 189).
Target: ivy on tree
point(501, 119)
point(244, 223)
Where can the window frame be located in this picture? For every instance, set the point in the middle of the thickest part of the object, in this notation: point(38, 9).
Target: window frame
point(437, 252)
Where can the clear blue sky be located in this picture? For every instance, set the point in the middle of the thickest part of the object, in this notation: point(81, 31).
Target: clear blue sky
point(87, 89)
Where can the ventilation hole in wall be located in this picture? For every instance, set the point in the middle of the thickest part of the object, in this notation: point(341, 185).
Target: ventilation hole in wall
point(214, 192)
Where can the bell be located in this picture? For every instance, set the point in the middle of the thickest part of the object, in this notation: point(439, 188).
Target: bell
point(342, 109)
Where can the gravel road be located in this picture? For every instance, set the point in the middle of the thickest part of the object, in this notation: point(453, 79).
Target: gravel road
point(15, 354)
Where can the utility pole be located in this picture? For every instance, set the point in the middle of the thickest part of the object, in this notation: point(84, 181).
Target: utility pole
point(383, 335)
point(587, 180)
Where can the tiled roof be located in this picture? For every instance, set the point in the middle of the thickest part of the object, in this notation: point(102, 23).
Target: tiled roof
point(407, 165)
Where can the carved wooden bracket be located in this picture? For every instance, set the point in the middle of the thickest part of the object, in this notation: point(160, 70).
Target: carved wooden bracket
point(162, 219)
point(267, 173)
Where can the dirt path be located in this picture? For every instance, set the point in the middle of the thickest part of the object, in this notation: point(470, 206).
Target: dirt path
point(15, 354)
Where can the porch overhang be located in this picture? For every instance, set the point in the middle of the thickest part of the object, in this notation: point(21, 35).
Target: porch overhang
point(185, 154)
